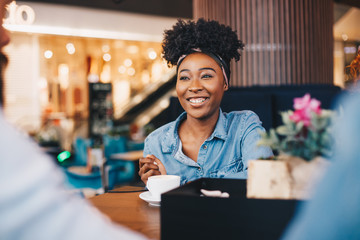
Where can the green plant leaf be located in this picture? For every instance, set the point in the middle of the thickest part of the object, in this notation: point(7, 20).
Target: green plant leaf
point(285, 130)
point(299, 126)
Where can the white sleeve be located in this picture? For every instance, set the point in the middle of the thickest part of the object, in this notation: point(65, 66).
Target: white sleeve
point(34, 203)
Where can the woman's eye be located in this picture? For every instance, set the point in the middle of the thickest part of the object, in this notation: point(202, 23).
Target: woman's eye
point(184, 78)
point(206, 76)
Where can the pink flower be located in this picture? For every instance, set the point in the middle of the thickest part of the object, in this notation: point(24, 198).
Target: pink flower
point(307, 103)
point(303, 108)
point(301, 116)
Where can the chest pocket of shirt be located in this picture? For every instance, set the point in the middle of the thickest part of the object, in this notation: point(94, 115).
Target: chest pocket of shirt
point(233, 167)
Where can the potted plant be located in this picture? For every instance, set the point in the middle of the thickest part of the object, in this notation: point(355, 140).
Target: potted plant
point(301, 146)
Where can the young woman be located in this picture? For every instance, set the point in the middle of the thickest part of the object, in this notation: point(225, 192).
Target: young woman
point(203, 141)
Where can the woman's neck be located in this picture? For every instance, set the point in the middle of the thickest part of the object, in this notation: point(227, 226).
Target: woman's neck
point(200, 128)
point(193, 132)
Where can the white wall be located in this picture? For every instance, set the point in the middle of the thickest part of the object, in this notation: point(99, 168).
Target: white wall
point(21, 82)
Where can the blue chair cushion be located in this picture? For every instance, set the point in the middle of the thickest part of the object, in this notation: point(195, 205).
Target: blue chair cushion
point(114, 145)
point(90, 180)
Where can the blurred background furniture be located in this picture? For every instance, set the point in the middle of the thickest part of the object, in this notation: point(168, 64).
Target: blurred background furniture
point(94, 168)
point(116, 172)
point(78, 177)
point(81, 146)
point(79, 174)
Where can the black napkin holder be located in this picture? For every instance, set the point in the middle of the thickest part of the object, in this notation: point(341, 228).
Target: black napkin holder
point(185, 214)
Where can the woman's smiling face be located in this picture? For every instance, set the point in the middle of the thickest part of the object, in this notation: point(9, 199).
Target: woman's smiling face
point(200, 86)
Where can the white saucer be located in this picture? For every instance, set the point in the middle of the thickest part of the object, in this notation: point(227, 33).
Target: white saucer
point(146, 196)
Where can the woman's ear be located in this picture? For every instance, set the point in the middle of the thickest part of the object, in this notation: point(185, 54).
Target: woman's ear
point(226, 87)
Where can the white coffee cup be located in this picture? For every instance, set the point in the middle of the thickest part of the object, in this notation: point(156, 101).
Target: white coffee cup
point(162, 183)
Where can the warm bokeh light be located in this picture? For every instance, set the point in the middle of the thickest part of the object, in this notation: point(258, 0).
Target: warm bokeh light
point(122, 69)
point(105, 48)
point(70, 48)
point(122, 92)
point(157, 71)
point(107, 57)
point(164, 103)
point(63, 76)
point(152, 54)
point(93, 78)
point(128, 62)
point(105, 76)
point(145, 77)
point(138, 99)
point(48, 54)
point(344, 37)
point(131, 71)
point(132, 49)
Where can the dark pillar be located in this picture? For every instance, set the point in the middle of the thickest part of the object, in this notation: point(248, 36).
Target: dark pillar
point(287, 41)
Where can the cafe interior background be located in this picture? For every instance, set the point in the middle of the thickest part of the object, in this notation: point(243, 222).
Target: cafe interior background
point(79, 70)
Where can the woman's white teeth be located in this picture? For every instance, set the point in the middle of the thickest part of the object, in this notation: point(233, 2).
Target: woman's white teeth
point(197, 100)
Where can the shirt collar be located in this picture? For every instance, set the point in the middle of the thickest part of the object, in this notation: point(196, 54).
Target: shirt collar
point(220, 128)
point(171, 139)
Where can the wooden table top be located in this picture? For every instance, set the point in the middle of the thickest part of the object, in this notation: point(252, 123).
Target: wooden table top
point(129, 210)
point(128, 156)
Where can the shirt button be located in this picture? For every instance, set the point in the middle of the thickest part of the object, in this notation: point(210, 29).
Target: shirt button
point(204, 147)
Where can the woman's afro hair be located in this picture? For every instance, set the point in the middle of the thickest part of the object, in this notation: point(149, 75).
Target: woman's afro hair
point(210, 36)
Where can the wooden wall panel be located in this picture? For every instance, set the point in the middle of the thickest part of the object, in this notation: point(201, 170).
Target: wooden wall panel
point(287, 41)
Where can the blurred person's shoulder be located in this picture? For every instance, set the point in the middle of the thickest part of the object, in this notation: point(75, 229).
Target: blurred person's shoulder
point(349, 97)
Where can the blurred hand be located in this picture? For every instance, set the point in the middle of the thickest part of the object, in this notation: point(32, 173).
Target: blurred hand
point(150, 166)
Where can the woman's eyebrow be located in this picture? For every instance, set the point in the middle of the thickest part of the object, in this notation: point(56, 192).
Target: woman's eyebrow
point(207, 68)
point(184, 70)
point(200, 69)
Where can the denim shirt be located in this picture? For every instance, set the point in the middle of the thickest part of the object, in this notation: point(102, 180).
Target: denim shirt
point(224, 154)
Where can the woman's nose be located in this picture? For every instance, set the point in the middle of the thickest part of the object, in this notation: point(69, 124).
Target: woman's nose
point(195, 85)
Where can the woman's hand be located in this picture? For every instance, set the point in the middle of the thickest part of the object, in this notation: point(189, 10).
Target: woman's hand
point(150, 166)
